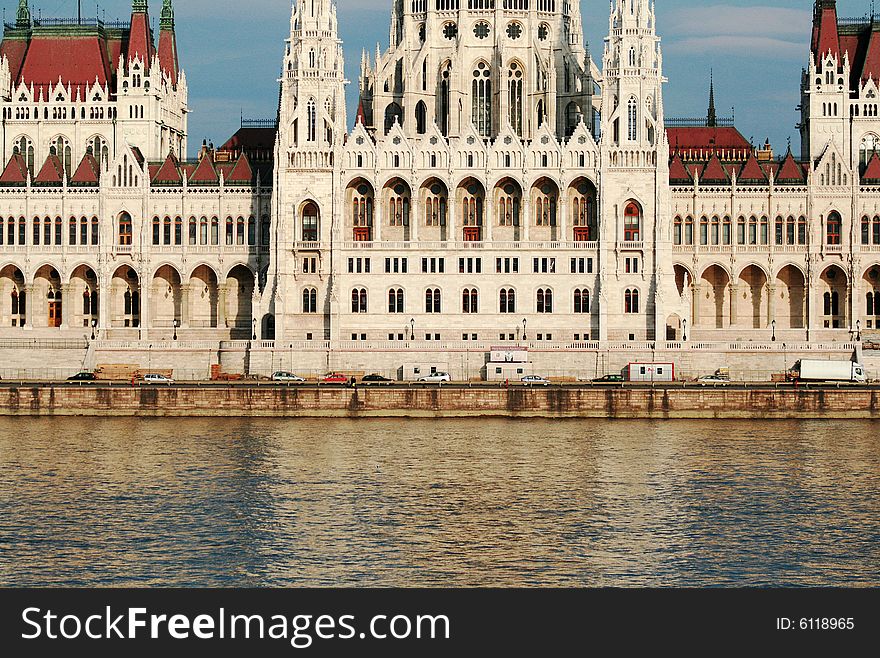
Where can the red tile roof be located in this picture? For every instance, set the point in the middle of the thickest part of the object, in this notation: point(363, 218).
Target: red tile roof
point(241, 172)
point(872, 171)
point(204, 172)
point(14, 49)
point(825, 35)
point(88, 172)
point(790, 171)
point(677, 172)
point(140, 40)
point(751, 172)
point(76, 60)
point(699, 142)
point(168, 173)
point(714, 172)
point(168, 60)
point(16, 171)
point(52, 172)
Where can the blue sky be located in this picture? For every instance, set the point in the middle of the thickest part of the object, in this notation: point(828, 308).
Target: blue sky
point(231, 52)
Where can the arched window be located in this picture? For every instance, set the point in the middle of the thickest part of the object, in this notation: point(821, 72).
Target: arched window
point(435, 206)
point(230, 231)
point(359, 300)
point(362, 213)
point(178, 231)
point(581, 300)
point(166, 231)
point(866, 230)
point(37, 232)
point(871, 304)
point(545, 207)
point(95, 232)
point(833, 226)
point(395, 300)
point(507, 300)
point(515, 96)
point(470, 300)
point(753, 230)
point(631, 301)
point(632, 223)
point(704, 230)
point(544, 300)
point(240, 234)
point(508, 205)
point(58, 231)
point(215, 231)
point(310, 300)
point(726, 231)
point(573, 117)
point(583, 214)
point(125, 229)
point(71, 232)
point(678, 225)
point(398, 206)
point(802, 230)
point(741, 230)
point(632, 120)
point(393, 114)
point(421, 118)
point(432, 300)
point(443, 98)
point(632, 57)
point(193, 231)
point(310, 223)
point(47, 231)
point(311, 120)
point(481, 99)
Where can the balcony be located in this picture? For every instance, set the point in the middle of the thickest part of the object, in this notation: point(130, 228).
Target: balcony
point(471, 234)
point(631, 246)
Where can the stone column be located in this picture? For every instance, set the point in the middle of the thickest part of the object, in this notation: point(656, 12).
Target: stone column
point(29, 307)
point(415, 215)
point(184, 305)
point(697, 294)
point(221, 306)
point(104, 299)
point(66, 306)
point(771, 303)
point(146, 317)
point(525, 217)
point(488, 217)
point(562, 219)
point(734, 304)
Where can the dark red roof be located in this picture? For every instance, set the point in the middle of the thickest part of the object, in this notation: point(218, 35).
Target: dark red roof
point(872, 171)
point(250, 139)
point(88, 172)
point(790, 171)
point(714, 172)
point(140, 40)
point(168, 54)
point(699, 142)
point(75, 60)
point(52, 171)
point(14, 49)
point(168, 173)
point(677, 172)
point(825, 36)
point(751, 172)
point(16, 171)
point(241, 172)
point(204, 172)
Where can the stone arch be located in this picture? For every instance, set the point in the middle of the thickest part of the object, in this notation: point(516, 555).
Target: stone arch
point(166, 298)
point(360, 201)
point(84, 296)
point(684, 278)
point(507, 201)
point(544, 213)
point(203, 297)
point(396, 209)
point(791, 298)
point(125, 298)
point(712, 298)
point(309, 214)
point(582, 195)
point(752, 297)
point(834, 291)
point(238, 304)
point(13, 297)
point(434, 208)
point(470, 209)
point(48, 301)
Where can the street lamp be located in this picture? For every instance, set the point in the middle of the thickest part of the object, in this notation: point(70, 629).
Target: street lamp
point(684, 330)
point(94, 324)
point(176, 322)
point(412, 328)
point(524, 329)
point(773, 324)
point(254, 329)
point(858, 331)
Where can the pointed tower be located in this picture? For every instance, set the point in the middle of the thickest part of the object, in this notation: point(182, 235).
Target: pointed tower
point(711, 116)
point(23, 17)
point(311, 133)
point(168, 61)
point(634, 193)
point(825, 89)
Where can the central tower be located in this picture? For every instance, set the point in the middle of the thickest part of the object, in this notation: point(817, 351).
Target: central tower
point(490, 63)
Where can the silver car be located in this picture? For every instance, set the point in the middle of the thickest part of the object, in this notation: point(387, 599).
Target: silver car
point(436, 378)
point(153, 378)
point(535, 380)
point(282, 376)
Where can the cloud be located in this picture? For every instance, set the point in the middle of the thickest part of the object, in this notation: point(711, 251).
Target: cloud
point(738, 45)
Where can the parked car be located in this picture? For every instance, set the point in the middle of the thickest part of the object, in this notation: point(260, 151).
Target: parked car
point(82, 377)
point(607, 379)
point(153, 378)
point(376, 380)
point(535, 380)
point(335, 378)
point(713, 379)
point(282, 376)
point(436, 378)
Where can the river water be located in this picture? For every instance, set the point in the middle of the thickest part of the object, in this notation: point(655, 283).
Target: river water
point(222, 502)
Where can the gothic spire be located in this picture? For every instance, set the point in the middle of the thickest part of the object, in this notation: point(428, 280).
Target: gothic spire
point(166, 21)
point(712, 118)
point(23, 19)
point(139, 6)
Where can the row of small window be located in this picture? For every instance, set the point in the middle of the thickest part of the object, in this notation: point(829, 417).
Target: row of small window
point(81, 231)
point(465, 336)
point(753, 231)
point(475, 265)
point(167, 231)
point(470, 301)
point(59, 113)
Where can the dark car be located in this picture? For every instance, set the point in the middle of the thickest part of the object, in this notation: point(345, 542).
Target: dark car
point(82, 377)
point(609, 379)
point(376, 380)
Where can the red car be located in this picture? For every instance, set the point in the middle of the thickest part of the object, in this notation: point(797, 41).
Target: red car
point(335, 378)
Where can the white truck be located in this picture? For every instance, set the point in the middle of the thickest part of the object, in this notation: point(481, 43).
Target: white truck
point(827, 371)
